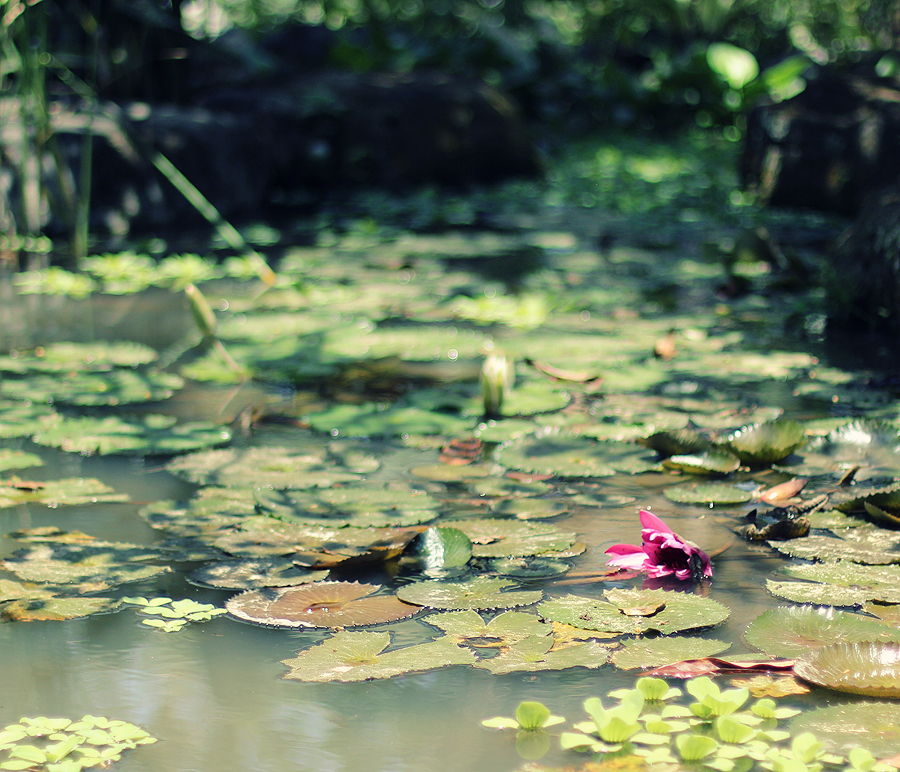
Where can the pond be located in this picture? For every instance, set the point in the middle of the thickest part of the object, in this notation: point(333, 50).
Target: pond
point(336, 421)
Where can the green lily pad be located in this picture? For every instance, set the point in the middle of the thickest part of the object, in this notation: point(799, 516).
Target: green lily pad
point(839, 584)
point(872, 669)
point(793, 631)
point(323, 604)
point(68, 357)
point(116, 387)
point(870, 546)
point(54, 493)
point(676, 442)
point(480, 593)
point(702, 494)
point(18, 459)
point(535, 397)
point(274, 467)
point(502, 487)
point(371, 420)
point(253, 574)
point(534, 654)
point(144, 435)
point(654, 652)
point(554, 453)
point(528, 567)
point(361, 505)
point(493, 538)
point(441, 548)
point(635, 611)
point(469, 628)
point(68, 564)
point(22, 419)
point(841, 728)
point(504, 430)
point(38, 602)
point(530, 508)
point(360, 656)
point(709, 462)
point(767, 443)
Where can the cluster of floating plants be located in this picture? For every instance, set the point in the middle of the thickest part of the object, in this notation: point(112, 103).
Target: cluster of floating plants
point(717, 731)
point(63, 745)
point(175, 614)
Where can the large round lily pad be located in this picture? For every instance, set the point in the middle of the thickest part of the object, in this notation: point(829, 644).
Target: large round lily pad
point(702, 494)
point(116, 387)
point(68, 357)
point(793, 631)
point(253, 574)
point(323, 604)
point(841, 583)
point(866, 668)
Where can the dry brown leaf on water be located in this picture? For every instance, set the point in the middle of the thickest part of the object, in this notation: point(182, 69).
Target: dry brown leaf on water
point(665, 347)
point(713, 665)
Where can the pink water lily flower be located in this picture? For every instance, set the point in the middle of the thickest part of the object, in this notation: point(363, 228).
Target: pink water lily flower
point(663, 552)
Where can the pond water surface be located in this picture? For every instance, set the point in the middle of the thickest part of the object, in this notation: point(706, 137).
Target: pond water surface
point(213, 693)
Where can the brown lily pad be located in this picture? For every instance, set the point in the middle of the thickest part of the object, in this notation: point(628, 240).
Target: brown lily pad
point(324, 604)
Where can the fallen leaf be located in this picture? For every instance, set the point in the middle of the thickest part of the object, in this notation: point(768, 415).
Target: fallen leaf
point(709, 665)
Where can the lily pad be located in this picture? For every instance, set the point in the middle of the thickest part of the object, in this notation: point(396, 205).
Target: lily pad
point(145, 435)
point(22, 419)
point(841, 728)
point(274, 467)
point(676, 442)
point(666, 612)
point(870, 546)
point(54, 493)
point(528, 567)
point(535, 654)
point(253, 574)
point(793, 631)
point(66, 357)
point(554, 453)
point(41, 602)
point(360, 505)
point(767, 443)
point(469, 628)
point(116, 387)
point(839, 584)
point(654, 652)
point(71, 563)
point(441, 548)
point(493, 538)
point(371, 420)
point(323, 604)
point(480, 593)
point(708, 462)
point(723, 494)
point(872, 669)
point(18, 459)
point(360, 656)
point(530, 508)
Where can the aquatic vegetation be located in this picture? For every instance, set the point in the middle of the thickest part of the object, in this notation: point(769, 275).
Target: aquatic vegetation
point(176, 614)
point(482, 592)
point(63, 745)
point(795, 630)
point(866, 668)
point(320, 604)
point(662, 553)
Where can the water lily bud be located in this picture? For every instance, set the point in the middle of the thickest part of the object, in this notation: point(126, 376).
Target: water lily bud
point(497, 379)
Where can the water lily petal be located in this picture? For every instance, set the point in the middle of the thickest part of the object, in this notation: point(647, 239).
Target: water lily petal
point(653, 523)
